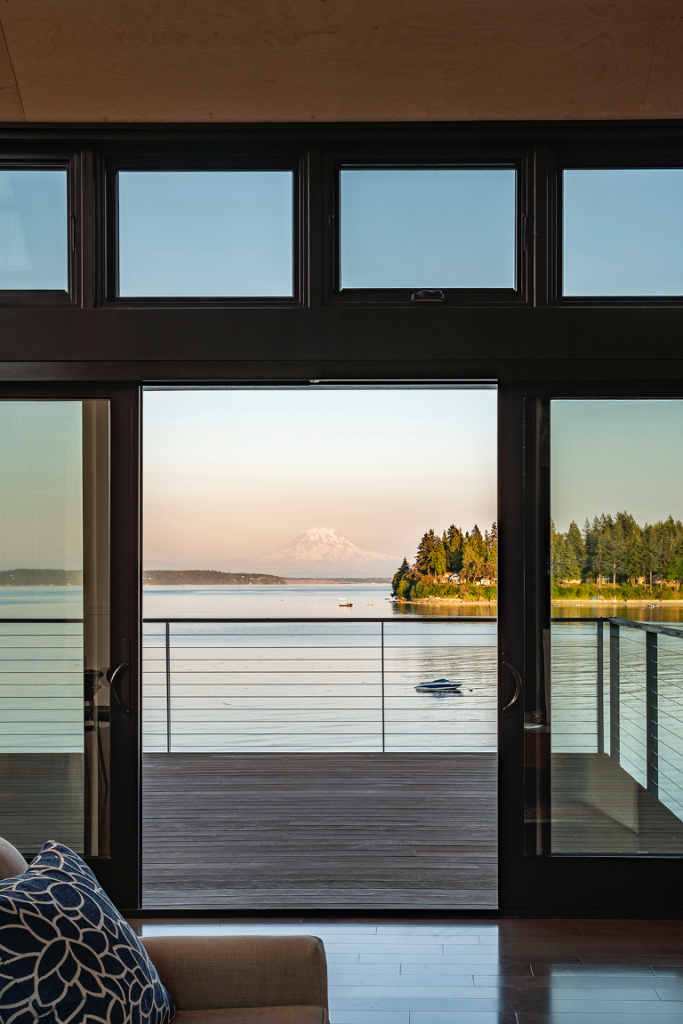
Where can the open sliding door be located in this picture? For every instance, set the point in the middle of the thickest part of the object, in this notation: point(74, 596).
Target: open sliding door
point(591, 625)
point(69, 626)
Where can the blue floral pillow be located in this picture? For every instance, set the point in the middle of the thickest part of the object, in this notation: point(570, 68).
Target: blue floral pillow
point(67, 955)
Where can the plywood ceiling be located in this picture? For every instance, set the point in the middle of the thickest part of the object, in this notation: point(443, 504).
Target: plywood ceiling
point(339, 60)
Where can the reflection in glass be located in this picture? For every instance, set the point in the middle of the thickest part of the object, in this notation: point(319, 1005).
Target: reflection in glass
point(33, 230)
point(439, 228)
point(623, 232)
point(616, 658)
point(205, 233)
point(54, 623)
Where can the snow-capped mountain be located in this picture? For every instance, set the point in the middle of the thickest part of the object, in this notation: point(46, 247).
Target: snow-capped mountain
point(323, 548)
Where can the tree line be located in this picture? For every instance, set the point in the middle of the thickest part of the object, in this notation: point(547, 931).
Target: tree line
point(471, 556)
point(617, 549)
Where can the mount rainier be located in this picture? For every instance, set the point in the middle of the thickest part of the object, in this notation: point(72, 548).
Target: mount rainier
point(324, 546)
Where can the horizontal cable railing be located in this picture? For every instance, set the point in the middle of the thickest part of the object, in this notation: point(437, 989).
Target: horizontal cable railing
point(41, 685)
point(617, 687)
point(317, 684)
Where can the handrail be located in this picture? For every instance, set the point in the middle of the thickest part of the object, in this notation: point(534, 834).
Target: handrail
point(650, 627)
point(165, 638)
point(393, 618)
point(620, 749)
point(36, 621)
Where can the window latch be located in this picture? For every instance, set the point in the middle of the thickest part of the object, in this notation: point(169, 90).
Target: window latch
point(428, 295)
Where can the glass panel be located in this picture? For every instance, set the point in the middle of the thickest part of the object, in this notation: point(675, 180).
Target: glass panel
point(54, 623)
point(447, 228)
point(206, 233)
point(33, 230)
point(616, 653)
point(623, 232)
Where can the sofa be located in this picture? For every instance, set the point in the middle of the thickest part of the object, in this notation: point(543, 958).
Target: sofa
point(224, 979)
point(243, 979)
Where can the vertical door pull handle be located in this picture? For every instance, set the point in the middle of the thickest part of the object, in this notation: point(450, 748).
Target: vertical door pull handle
point(113, 678)
point(518, 685)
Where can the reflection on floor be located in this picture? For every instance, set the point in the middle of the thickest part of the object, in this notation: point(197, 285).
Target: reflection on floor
point(485, 972)
point(598, 808)
point(252, 831)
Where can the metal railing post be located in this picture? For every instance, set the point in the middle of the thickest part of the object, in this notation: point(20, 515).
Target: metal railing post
point(652, 723)
point(168, 687)
point(600, 690)
point(382, 644)
point(614, 725)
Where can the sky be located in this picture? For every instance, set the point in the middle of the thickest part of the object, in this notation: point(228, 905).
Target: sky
point(623, 232)
point(41, 485)
point(206, 233)
point(231, 232)
point(231, 475)
point(33, 230)
point(438, 228)
point(616, 455)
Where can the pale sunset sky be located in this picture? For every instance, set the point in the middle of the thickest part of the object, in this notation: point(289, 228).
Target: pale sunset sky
point(231, 475)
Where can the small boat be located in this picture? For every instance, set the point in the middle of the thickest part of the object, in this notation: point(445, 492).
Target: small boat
point(438, 686)
point(343, 603)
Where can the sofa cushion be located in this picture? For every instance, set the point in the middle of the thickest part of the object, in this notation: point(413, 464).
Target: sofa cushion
point(255, 1015)
point(66, 954)
point(11, 861)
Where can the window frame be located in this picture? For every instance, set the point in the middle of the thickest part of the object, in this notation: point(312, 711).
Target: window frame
point(427, 157)
point(42, 159)
point(252, 158)
point(589, 158)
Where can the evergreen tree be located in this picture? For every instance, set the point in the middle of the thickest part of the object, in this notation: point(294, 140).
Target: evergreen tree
point(491, 542)
point(576, 551)
point(424, 550)
point(437, 558)
point(453, 541)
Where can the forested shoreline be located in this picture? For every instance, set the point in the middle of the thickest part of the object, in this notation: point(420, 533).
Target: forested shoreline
point(614, 557)
point(457, 565)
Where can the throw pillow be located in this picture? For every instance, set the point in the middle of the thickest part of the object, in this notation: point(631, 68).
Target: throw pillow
point(66, 954)
point(11, 861)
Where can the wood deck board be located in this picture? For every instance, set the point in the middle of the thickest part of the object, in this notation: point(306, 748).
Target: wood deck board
point(257, 831)
point(598, 808)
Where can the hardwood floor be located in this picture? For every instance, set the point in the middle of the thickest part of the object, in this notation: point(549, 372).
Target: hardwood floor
point(319, 830)
point(413, 971)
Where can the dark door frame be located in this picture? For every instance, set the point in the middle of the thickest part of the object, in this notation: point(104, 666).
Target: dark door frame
point(118, 873)
point(530, 884)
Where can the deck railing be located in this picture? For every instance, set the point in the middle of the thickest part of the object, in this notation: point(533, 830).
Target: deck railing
point(635, 713)
point(316, 684)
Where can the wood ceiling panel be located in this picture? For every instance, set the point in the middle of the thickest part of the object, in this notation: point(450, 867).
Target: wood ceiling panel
point(665, 86)
point(10, 101)
point(338, 60)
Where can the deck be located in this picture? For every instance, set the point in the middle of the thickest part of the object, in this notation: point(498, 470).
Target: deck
point(255, 831)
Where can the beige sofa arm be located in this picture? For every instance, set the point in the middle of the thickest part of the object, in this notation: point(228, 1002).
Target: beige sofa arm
point(224, 971)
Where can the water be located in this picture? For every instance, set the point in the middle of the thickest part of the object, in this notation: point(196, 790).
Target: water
point(295, 601)
point(344, 685)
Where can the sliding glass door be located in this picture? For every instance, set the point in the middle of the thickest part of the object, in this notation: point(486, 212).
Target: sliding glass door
point(67, 635)
point(596, 540)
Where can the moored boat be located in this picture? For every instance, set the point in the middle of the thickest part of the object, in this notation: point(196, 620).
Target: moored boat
point(438, 686)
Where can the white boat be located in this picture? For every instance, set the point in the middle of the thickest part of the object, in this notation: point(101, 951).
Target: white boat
point(439, 686)
point(344, 603)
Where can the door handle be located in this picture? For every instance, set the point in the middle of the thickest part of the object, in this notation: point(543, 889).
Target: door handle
point(506, 663)
point(114, 678)
point(518, 685)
